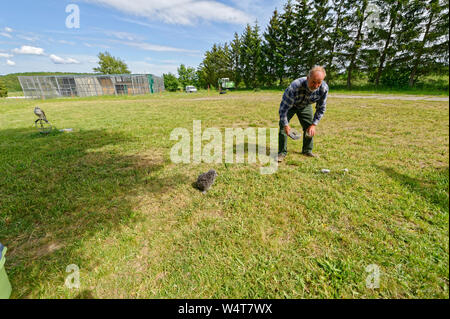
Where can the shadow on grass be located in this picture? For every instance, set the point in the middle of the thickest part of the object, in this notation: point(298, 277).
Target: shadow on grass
point(429, 186)
point(85, 294)
point(252, 148)
point(60, 189)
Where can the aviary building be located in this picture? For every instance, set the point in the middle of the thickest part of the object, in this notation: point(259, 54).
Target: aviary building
point(52, 86)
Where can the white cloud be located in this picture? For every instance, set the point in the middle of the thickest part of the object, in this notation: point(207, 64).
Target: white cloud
point(35, 63)
point(136, 22)
point(58, 60)
point(66, 42)
point(7, 35)
point(32, 39)
point(154, 47)
point(11, 63)
point(5, 55)
point(123, 35)
point(96, 45)
point(263, 10)
point(26, 49)
point(8, 29)
point(185, 12)
point(170, 61)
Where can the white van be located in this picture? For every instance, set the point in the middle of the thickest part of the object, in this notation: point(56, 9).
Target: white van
point(190, 89)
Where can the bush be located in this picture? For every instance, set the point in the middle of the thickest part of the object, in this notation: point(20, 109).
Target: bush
point(437, 82)
point(3, 89)
point(170, 82)
point(395, 77)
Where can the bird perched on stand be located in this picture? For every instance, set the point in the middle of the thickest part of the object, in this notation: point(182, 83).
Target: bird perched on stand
point(40, 114)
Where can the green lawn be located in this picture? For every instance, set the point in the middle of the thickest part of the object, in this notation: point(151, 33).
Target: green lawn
point(15, 93)
point(107, 198)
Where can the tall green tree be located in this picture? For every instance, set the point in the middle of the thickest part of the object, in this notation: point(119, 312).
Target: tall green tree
point(171, 82)
point(273, 53)
point(390, 13)
point(405, 41)
point(319, 27)
point(3, 89)
point(251, 56)
point(292, 39)
point(236, 65)
point(338, 37)
point(186, 76)
point(432, 51)
point(216, 64)
point(353, 48)
point(110, 65)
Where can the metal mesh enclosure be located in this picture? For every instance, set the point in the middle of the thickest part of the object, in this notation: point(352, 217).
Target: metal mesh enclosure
point(45, 87)
point(158, 84)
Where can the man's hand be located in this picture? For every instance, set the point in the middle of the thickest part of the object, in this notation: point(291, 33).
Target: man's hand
point(311, 130)
point(287, 129)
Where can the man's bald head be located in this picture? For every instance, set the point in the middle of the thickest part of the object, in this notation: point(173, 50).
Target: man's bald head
point(315, 77)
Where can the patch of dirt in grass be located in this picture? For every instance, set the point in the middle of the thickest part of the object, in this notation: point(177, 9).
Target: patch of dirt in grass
point(285, 239)
point(148, 159)
point(47, 249)
point(91, 159)
point(314, 249)
point(35, 249)
point(202, 214)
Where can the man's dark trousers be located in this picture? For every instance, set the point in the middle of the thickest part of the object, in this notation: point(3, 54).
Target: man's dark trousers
point(305, 115)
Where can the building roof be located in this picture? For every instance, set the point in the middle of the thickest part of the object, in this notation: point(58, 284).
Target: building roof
point(85, 75)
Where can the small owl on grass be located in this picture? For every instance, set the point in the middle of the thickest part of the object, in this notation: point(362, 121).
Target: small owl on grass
point(205, 180)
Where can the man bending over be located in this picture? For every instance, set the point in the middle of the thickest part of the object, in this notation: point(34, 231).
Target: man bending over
point(298, 99)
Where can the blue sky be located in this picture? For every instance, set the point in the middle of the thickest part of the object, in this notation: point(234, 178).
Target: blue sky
point(150, 36)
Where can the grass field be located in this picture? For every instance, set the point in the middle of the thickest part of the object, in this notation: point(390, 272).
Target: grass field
point(107, 198)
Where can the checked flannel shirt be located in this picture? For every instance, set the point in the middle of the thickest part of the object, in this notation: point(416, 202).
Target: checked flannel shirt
point(298, 95)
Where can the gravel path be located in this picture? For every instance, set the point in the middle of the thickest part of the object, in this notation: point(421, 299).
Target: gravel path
point(391, 97)
point(339, 96)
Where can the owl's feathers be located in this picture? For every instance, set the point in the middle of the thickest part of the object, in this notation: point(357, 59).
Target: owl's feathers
point(40, 113)
point(205, 180)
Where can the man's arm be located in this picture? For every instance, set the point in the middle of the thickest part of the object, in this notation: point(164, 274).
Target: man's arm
point(286, 103)
point(321, 107)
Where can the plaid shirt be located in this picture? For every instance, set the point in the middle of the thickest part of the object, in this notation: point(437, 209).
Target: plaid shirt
point(298, 95)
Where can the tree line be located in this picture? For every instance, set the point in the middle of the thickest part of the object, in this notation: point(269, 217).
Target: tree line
point(389, 42)
point(3, 89)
